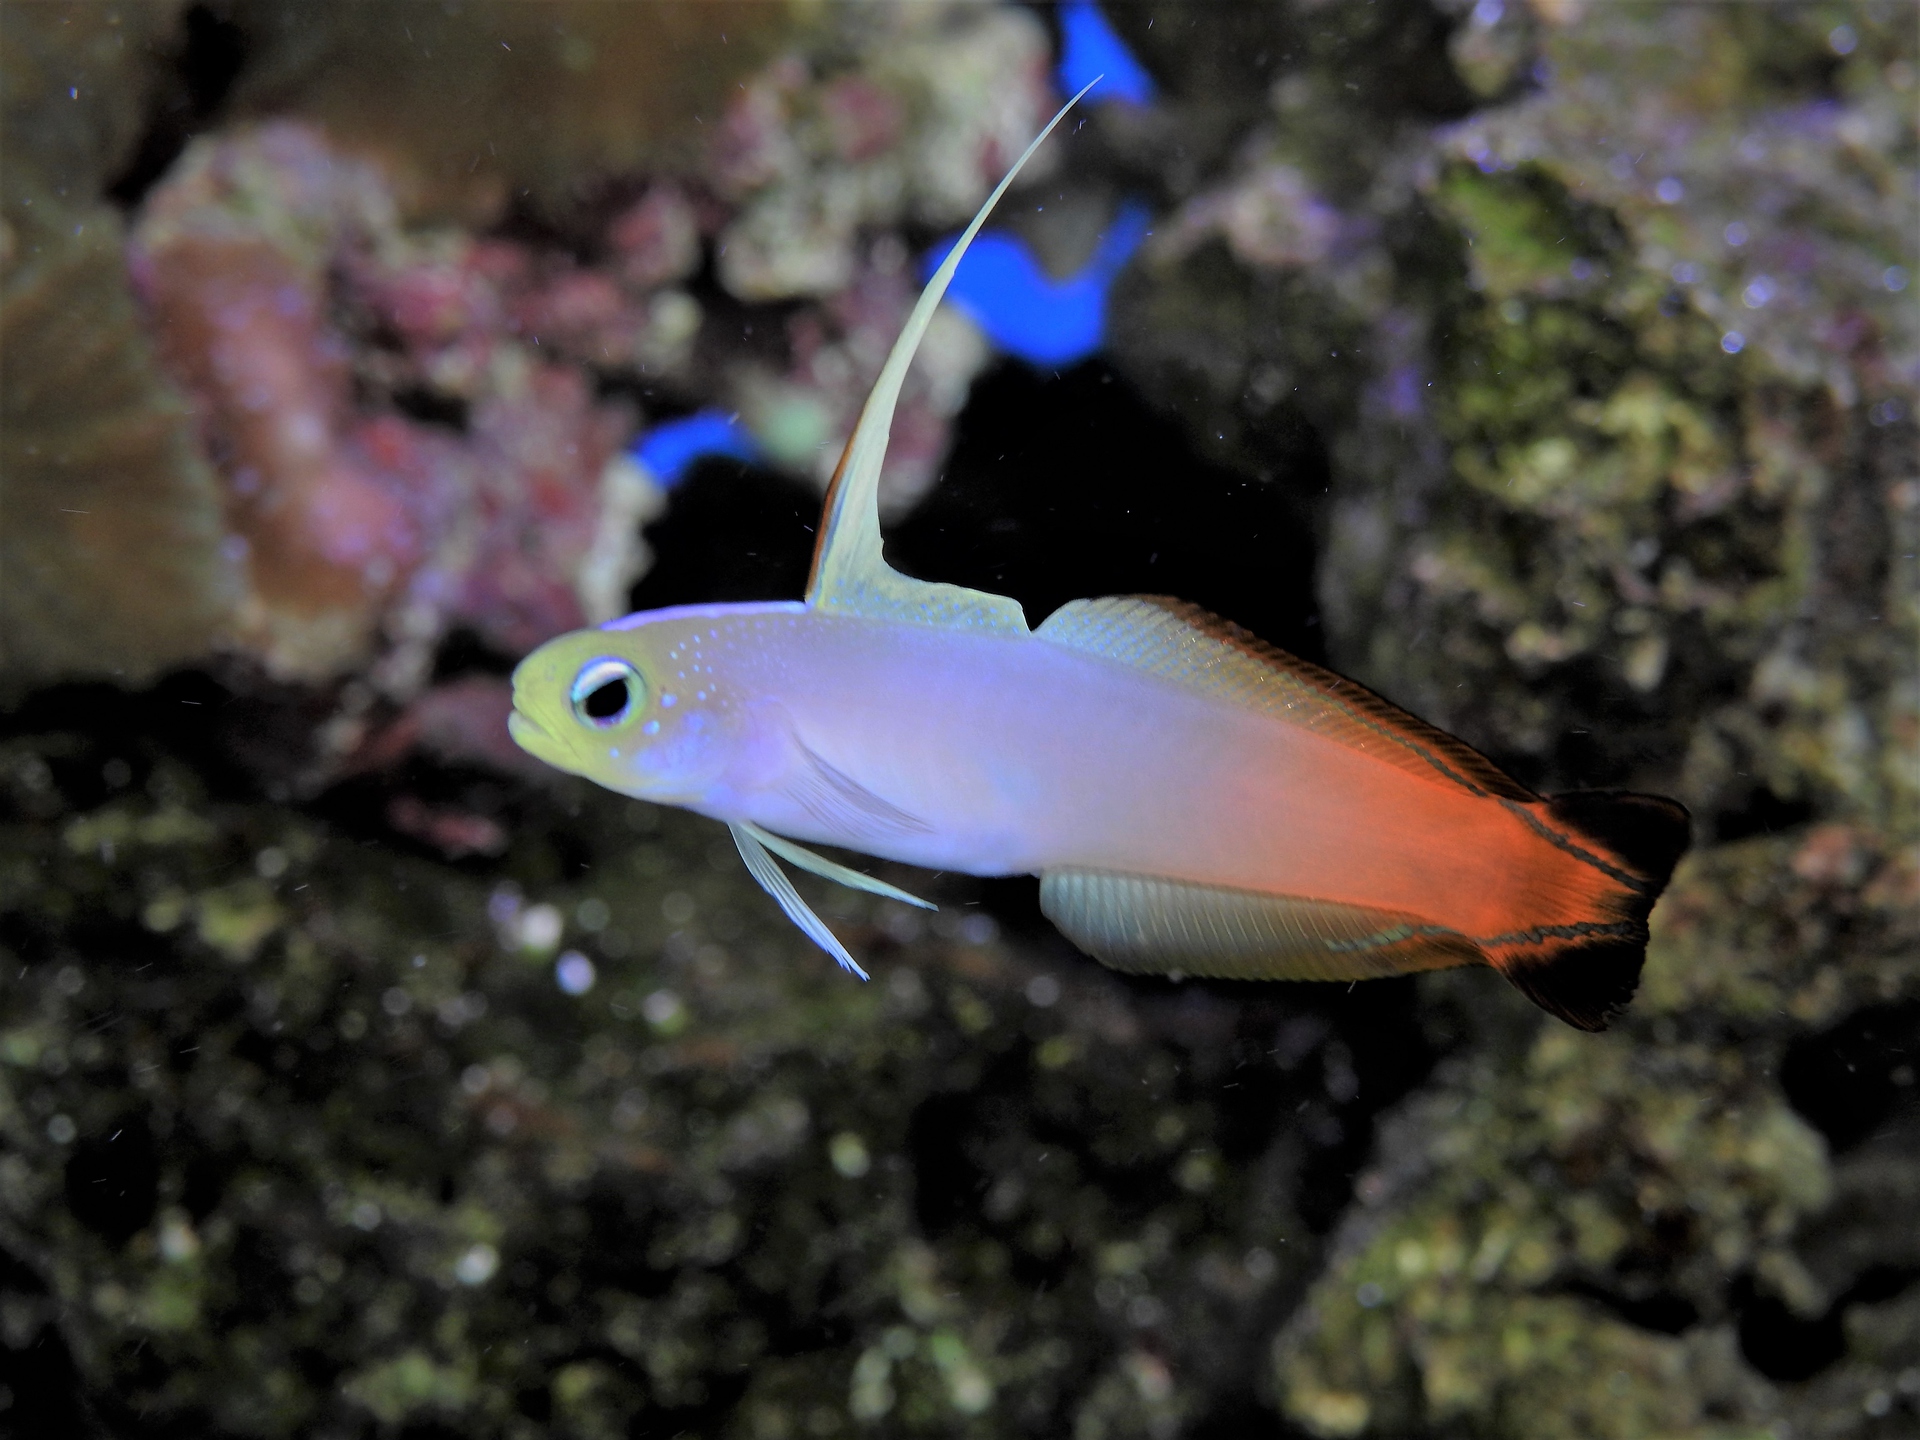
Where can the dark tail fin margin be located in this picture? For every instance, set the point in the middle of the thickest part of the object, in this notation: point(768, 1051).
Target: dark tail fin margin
point(1587, 981)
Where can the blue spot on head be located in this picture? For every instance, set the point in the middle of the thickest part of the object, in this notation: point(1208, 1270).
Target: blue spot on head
point(670, 448)
point(1090, 49)
point(1024, 310)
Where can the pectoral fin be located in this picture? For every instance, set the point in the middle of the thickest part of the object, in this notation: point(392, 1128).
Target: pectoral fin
point(764, 868)
point(850, 575)
point(845, 806)
point(1155, 926)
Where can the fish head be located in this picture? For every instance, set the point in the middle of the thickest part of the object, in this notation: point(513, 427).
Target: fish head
point(608, 705)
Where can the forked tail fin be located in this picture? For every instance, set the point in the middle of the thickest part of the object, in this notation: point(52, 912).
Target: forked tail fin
point(1586, 973)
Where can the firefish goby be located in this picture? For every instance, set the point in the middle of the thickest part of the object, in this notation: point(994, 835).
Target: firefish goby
point(1195, 802)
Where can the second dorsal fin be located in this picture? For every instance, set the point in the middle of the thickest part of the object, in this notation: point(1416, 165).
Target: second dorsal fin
point(850, 574)
point(1187, 645)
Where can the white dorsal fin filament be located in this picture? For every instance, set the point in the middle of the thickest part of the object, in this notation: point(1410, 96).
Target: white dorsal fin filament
point(850, 574)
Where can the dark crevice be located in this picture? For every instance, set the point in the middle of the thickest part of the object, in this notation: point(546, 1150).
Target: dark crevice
point(1068, 484)
point(113, 1180)
point(432, 407)
point(1782, 1345)
point(732, 532)
point(1662, 1311)
point(1850, 1079)
point(187, 101)
point(1788, 1347)
point(463, 651)
point(1761, 812)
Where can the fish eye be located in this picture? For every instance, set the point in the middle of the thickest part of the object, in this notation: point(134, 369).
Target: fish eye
point(607, 692)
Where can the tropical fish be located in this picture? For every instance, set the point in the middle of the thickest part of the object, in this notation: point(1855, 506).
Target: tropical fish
point(1195, 802)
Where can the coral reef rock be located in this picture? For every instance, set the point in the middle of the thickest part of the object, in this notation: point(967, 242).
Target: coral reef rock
point(110, 559)
point(504, 506)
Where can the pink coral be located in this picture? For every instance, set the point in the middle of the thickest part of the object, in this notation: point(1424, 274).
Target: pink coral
point(259, 259)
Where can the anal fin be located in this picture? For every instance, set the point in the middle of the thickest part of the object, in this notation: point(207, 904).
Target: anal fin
point(1151, 925)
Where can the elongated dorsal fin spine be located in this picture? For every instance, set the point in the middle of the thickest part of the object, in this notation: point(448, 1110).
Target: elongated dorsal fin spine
point(850, 573)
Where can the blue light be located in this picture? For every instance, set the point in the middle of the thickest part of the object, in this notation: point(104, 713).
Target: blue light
point(669, 449)
point(1089, 48)
point(1024, 310)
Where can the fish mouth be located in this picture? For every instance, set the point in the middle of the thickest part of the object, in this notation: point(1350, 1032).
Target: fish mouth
point(539, 742)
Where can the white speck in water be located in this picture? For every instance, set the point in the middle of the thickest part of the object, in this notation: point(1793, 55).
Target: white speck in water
point(573, 973)
point(849, 1155)
point(476, 1267)
point(1736, 233)
point(1733, 342)
point(661, 1008)
point(61, 1130)
point(1043, 991)
point(1670, 191)
point(1841, 40)
point(540, 928)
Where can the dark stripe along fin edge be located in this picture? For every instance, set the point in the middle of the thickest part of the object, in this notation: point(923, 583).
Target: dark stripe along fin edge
point(1201, 652)
point(1588, 979)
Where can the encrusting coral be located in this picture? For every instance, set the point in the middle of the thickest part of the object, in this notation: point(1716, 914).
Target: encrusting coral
point(110, 560)
point(254, 257)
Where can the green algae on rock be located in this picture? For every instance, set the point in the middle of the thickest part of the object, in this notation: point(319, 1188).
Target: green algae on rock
point(1624, 492)
point(1554, 1239)
point(308, 1132)
point(364, 1165)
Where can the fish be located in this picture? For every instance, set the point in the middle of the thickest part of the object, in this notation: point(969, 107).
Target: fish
point(1195, 802)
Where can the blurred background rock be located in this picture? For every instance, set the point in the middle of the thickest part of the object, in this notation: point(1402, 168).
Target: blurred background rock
point(1548, 366)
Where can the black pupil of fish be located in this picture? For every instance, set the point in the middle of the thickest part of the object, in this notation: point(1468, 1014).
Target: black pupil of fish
point(605, 702)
